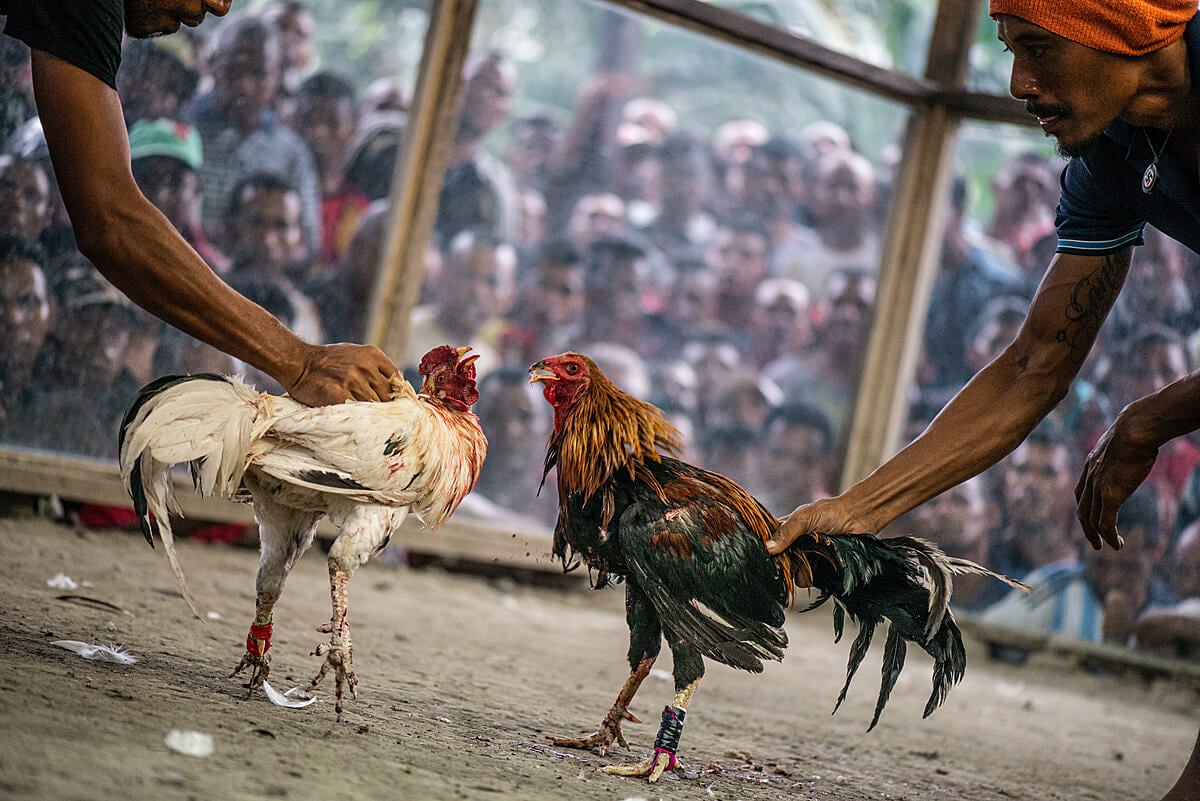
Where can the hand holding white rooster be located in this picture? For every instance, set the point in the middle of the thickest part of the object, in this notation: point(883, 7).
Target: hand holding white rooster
point(366, 465)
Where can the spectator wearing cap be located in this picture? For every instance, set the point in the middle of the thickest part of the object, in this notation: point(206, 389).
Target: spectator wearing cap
point(166, 157)
point(842, 205)
point(781, 323)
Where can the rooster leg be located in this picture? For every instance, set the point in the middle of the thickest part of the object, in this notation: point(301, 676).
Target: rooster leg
point(645, 640)
point(610, 728)
point(365, 531)
point(663, 758)
point(284, 534)
point(689, 669)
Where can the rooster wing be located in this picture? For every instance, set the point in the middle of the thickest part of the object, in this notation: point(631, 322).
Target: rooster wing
point(402, 452)
point(706, 572)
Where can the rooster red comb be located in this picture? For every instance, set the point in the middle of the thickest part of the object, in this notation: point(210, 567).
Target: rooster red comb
point(441, 355)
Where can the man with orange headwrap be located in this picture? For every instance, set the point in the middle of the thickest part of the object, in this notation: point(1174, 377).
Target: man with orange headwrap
point(1117, 84)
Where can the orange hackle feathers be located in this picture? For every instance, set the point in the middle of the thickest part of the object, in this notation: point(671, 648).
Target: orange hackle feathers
point(607, 431)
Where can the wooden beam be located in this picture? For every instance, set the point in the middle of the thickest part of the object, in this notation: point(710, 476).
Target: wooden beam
point(420, 167)
point(911, 249)
point(954, 29)
point(750, 34)
point(910, 252)
point(986, 108)
point(942, 84)
point(36, 473)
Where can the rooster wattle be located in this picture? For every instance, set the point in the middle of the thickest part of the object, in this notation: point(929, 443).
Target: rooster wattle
point(365, 465)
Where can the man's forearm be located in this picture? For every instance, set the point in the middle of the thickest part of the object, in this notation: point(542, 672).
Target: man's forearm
point(140, 252)
point(985, 421)
point(1006, 400)
point(130, 241)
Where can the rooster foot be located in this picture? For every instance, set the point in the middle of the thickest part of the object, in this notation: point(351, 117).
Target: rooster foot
point(601, 741)
point(652, 767)
point(339, 655)
point(260, 667)
point(258, 643)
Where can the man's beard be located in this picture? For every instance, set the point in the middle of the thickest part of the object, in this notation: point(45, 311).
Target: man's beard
point(142, 20)
point(1074, 149)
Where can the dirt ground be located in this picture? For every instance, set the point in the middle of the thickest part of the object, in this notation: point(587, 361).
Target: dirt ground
point(461, 678)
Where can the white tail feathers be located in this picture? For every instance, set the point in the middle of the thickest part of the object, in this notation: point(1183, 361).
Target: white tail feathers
point(208, 422)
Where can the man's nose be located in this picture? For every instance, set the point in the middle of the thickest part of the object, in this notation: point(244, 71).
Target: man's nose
point(1022, 84)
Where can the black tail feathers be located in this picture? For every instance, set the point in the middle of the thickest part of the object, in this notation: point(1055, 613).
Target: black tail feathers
point(906, 580)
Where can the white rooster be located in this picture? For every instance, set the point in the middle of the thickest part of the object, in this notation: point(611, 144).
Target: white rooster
point(366, 465)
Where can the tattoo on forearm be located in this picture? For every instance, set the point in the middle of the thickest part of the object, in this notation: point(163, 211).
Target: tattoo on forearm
point(1090, 302)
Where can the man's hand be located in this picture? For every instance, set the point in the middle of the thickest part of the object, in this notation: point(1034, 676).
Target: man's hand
point(1111, 472)
point(824, 516)
point(337, 373)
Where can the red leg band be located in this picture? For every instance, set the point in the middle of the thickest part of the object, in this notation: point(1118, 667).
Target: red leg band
point(258, 641)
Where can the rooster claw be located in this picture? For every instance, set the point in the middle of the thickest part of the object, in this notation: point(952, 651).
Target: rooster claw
point(339, 656)
point(652, 767)
point(601, 741)
point(260, 666)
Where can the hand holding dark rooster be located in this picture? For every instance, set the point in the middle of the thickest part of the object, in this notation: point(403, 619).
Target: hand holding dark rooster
point(689, 544)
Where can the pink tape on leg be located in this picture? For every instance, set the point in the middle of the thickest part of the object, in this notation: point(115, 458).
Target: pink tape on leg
point(672, 763)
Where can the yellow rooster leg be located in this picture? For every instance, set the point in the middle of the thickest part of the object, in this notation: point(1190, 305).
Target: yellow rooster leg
point(610, 727)
point(338, 653)
point(663, 757)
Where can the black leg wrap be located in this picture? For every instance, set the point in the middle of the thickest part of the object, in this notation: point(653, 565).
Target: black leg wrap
point(669, 731)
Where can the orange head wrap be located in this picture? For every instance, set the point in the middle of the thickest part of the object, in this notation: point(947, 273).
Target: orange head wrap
point(1126, 27)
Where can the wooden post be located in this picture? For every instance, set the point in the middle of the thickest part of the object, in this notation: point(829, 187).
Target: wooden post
point(911, 249)
point(417, 183)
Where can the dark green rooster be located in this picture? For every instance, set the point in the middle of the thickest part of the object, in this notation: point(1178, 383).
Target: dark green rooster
point(689, 544)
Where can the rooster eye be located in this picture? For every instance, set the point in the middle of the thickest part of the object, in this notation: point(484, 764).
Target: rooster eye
point(572, 368)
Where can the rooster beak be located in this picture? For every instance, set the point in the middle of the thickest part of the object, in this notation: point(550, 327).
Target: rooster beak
point(540, 372)
point(461, 352)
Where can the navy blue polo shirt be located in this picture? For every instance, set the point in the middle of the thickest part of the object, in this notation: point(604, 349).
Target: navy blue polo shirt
point(1103, 208)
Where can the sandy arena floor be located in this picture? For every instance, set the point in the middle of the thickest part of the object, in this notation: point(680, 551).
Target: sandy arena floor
point(462, 678)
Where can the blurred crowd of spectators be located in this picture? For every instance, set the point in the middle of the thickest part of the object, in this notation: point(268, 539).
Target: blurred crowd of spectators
point(728, 277)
